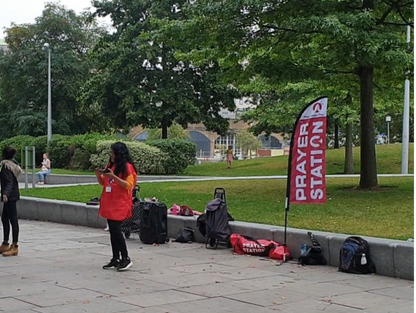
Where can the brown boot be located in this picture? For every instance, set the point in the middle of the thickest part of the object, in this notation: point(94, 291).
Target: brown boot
point(4, 248)
point(14, 250)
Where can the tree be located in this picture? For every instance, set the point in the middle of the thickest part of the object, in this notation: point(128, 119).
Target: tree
point(140, 81)
point(284, 42)
point(248, 142)
point(23, 68)
point(175, 131)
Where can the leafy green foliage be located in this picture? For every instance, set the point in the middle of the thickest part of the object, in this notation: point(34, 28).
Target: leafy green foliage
point(247, 141)
point(139, 80)
point(175, 131)
point(314, 48)
point(24, 74)
point(147, 159)
point(17, 142)
point(180, 154)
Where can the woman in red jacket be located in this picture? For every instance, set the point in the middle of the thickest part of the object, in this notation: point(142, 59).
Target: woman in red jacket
point(118, 180)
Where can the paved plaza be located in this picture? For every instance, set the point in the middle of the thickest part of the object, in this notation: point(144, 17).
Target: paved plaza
point(59, 270)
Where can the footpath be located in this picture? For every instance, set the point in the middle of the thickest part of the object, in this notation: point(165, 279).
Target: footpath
point(58, 270)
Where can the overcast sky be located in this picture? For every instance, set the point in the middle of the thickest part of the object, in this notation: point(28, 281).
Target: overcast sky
point(25, 11)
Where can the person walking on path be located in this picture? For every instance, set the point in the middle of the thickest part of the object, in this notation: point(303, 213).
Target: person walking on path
point(229, 156)
point(118, 180)
point(45, 170)
point(10, 194)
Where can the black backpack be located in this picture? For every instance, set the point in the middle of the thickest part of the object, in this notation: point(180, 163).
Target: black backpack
point(313, 255)
point(354, 257)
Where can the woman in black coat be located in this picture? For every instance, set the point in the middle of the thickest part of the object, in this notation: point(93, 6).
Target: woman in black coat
point(10, 194)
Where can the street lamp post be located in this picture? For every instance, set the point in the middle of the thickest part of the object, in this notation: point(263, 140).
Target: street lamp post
point(388, 120)
point(406, 116)
point(49, 121)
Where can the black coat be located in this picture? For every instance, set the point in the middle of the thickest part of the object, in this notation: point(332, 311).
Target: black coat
point(9, 185)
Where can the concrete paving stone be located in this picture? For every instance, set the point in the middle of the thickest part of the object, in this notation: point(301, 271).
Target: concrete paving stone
point(180, 280)
point(19, 287)
point(102, 305)
point(217, 305)
point(402, 307)
point(313, 306)
point(67, 276)
point(221, 289)
point(374, 282)
point(235, 260)
point(206, 267)
point(242, 273)
point(270, 297)
point(60, 298)
point(159, 298)
point(363, 300)
point(325, 289)
point(15, 305)
point(405, 292)
point(117, 287)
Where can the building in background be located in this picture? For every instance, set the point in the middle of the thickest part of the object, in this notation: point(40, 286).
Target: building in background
point(3, 45)
point(212, 146)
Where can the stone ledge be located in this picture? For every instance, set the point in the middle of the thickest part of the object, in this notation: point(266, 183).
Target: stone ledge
point(58, 179)
point(394, 258)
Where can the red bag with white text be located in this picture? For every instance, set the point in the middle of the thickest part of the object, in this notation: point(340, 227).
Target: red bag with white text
point(247, 245)
point(279, 253)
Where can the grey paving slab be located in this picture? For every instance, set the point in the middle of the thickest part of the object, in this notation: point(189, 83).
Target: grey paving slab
point(58, 270)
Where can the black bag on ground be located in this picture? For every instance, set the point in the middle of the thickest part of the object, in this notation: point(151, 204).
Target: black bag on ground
point(313, 255)
point(185, 235)
point(153, 223)
point(216, 219)
point(354, 257)
point(201, 223)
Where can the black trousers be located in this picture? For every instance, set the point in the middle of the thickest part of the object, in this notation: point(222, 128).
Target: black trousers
point(118, 243)
point(9, 217)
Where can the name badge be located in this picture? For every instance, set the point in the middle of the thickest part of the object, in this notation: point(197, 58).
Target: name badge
point(108, 189)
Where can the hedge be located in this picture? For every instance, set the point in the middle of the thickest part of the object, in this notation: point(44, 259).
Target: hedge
point(181, 153)
point(85, 152)
point(147, 159)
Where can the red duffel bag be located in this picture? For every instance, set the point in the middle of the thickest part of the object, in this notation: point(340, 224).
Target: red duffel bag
point(247, 245)
point(279, 253)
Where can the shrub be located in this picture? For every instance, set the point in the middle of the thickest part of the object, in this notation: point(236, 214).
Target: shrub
point(60, 151)
point(181, 153)
point(148, 160)
point(17, 142)
point(83, 146)
point(41, 146)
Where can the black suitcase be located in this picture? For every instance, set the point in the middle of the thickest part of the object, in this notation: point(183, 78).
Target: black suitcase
point(154, 222)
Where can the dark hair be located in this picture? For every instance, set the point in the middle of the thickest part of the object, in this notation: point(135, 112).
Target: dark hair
point(121, 158)
point(8, 153)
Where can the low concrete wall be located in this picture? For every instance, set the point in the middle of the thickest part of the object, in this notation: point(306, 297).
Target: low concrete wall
point(394, 258)
point(55, 179)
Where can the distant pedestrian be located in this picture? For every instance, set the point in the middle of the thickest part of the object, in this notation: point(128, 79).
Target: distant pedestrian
point(10, 194)
point(45, 169)
point(118, 180)
point(229, 155)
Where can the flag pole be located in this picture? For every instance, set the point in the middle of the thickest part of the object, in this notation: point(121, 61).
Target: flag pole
point(289, 171)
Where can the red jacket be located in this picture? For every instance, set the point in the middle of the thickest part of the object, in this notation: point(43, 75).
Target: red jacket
point(116, 201)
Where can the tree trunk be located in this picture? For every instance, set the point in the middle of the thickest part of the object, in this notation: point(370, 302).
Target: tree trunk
point(164, 129)
point(368, 166)
point(349, 158)
point(336, 136)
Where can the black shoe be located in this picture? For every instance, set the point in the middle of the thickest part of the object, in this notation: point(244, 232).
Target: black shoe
point(124, 264)
point(112, 264)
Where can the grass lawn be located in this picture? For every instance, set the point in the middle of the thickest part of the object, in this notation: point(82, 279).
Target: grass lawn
point(388, 162)
point(385, 213)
